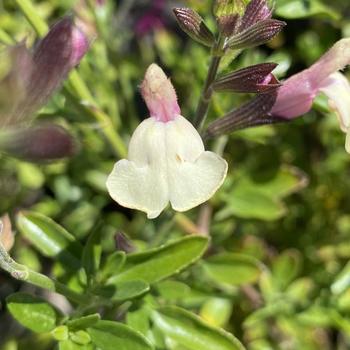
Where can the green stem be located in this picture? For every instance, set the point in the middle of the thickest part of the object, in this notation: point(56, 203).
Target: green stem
point(204, 101)
point(22, 273)
point(32, 16)
point(78, 86)
point(5, 38)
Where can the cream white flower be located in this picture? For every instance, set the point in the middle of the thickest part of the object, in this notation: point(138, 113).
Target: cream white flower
point(166, 161)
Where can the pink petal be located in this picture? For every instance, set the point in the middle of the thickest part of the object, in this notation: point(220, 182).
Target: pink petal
point(296, 95)
point(159, 95)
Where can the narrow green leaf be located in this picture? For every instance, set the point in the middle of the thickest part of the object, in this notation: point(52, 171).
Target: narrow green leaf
point(113, 264)
point(92, 253)
point(71, 345)
point(83, 322)
point(173, 290)
point(49, 238)
point(304, 9)
point(285, 268)
point(191, 332)
point(32, 312)
point(342, 281)
point(159, 263)
point(109, 335)
point(233, 269)
point(123, 290)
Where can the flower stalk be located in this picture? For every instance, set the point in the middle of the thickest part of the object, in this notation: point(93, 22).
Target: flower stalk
point(23, 273)
point(205, 98)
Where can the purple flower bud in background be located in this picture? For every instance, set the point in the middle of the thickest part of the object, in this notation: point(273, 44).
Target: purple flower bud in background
point(29, 83)
point(123, 243)
point(151, 19)
point(38, 143)
point(100, 2)
point(55, 55)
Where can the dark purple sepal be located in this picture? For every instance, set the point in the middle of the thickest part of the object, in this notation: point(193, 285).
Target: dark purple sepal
point(255, 35)
point(253, 79)
point(256, 11)
point(253, 113)
point(193, 25)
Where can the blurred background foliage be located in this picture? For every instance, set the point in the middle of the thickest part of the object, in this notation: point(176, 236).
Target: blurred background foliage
point(275, 274)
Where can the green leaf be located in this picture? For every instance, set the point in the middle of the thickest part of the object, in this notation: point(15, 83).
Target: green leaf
point(139, 320)
point(305, 8)
point(109, 335)
point(172, 290)
point(83, 322)
point(51, 239)
point(80, 337)
point(159, 263)
point(233, 269)
point(262, 199)
point(216, 311)
point(113, 264)
point(92, 254)
point(71, 345)
point(123, 290)
point(286, 268)
point(60, 333)
point(191, 332)
point(32, 312)
point(249, 204)
point(342, 281)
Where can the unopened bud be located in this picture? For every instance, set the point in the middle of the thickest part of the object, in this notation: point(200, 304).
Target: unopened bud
point(256, 11)
point(124, 243)
point(56, 54)
point(193, 24)
point(255, 35)
point(38, 143)
point(159, 94)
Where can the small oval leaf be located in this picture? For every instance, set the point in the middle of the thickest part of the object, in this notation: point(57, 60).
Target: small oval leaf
point(157, 264)
point(192, 332)
point(233, 269)
point(51, 239)
point(109, 335)
point(32, 312)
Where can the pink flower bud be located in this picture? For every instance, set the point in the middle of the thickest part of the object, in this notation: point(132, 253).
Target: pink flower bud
point(159, 95)
point(80, 45)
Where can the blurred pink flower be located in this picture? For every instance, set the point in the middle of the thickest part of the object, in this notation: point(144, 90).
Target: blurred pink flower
point(296, 95)
point(152, 19)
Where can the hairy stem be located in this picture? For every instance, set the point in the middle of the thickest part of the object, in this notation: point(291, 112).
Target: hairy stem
point(22, 273)
point(204, 101)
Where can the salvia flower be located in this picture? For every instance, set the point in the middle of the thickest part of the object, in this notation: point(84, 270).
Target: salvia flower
point(296, 95)
point(166, 157)
point(31, 81)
